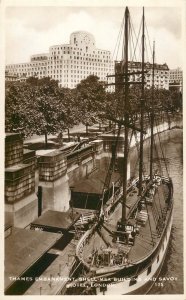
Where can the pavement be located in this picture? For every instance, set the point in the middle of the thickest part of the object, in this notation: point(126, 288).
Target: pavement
point(41, 138)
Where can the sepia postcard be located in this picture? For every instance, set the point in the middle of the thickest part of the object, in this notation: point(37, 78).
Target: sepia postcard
point(92, 148)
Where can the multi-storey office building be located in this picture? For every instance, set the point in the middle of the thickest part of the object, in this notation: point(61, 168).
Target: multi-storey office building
point(36, 67)
point(68, 63)
point(176, 79)
point(176, 75)
point(75, 61)
point(161, 74)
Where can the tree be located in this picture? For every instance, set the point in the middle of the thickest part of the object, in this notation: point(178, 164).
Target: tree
point(90, 99)
point(38, 107)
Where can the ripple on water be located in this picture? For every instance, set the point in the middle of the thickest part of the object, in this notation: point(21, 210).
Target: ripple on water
point(173, 265)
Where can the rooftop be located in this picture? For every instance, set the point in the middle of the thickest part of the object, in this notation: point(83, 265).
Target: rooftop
point(23, 248)
point(94, 183)
point(56, 219)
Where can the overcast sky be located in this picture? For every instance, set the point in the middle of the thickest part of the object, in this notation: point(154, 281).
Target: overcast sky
point(32, 30)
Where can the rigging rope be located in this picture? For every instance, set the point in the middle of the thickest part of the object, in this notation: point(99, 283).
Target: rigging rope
point(118, 39)
point(137, 39)
point(158, 134)
point(146, 29)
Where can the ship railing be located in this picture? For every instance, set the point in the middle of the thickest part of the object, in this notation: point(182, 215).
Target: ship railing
point(82, 242)
point(86, 218)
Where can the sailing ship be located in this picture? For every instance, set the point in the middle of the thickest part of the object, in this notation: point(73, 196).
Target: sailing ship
point(125, 248)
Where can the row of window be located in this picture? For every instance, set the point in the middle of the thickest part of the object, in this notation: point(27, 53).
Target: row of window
point(77, 53)
point(157, 72)
point(77, 76)
point(66, 48)
point(176, 77)
point(54, 58)
point(55, 66)
point(64, 69)
point(15, 66)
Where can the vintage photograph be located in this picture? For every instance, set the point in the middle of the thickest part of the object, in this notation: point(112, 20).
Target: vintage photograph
point(93, 176)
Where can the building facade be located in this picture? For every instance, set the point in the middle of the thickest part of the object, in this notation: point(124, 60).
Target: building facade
point(176, 79)
point(161, 74)
point(68, 63)
point(73, 62)
point(36, 67)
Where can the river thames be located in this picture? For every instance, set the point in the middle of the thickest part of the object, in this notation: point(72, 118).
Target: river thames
point(170, 280)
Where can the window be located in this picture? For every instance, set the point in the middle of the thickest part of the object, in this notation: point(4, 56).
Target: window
point(149, 270)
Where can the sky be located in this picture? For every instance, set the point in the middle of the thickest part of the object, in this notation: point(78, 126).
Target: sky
point(32, 30)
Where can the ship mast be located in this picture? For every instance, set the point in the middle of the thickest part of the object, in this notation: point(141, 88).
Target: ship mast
point(142, 109)
point(125, 109)
point(152, 116)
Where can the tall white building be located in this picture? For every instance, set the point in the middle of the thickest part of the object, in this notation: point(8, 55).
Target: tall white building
point(68, 63)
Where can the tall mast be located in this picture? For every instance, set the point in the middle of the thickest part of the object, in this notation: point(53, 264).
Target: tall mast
point(152, 116)
point(126, 130)
point(142, 108)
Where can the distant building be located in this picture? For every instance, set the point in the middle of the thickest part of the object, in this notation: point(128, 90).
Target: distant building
point(10, 77)
point(161, 74)
point(73, 62)
point(176, 79)
point(68, 63)
point(14, 77)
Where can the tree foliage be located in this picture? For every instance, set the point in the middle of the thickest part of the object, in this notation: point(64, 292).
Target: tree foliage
point(90, 100)
point(38, 107)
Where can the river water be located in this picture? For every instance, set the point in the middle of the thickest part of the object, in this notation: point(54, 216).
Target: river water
point(170, 280)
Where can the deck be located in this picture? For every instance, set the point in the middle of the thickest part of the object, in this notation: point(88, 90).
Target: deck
point(144, 242)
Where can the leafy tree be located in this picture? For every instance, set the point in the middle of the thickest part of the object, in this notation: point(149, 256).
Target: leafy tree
point(38, 107)
point(90, 99)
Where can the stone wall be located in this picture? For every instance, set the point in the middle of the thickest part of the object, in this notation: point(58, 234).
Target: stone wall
point(13, 149)
point(21, 203)
point(19, 182)
point(29, 157)
point(52, 166)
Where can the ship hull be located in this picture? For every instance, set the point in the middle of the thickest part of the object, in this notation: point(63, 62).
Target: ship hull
point(146, 279)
